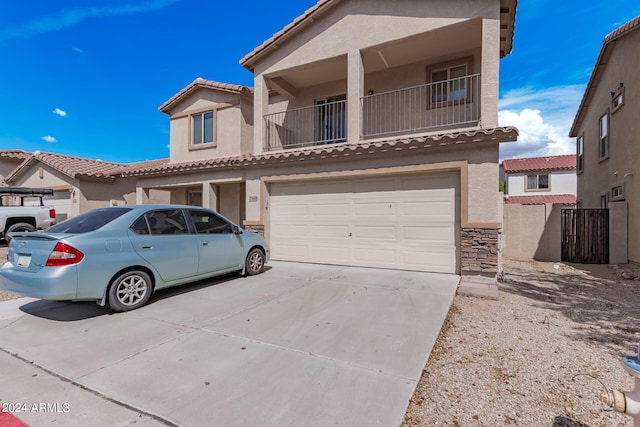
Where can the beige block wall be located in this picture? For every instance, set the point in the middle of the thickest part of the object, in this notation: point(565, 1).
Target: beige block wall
point(532, 232)
point(622, 166)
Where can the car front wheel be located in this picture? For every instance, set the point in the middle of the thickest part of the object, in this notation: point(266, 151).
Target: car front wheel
point(254, 263)
point(129, 291)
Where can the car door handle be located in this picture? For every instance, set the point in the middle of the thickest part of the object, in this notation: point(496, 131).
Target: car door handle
point(146, 246)
point(205, 243)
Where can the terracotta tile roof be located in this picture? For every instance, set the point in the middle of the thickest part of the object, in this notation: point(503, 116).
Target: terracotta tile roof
point(202, 83)
point(331, 151)
point(71, 166)
point(601, 63)
point(314, 11)
point(564, 162)
point(561, 199)
point(15, 154)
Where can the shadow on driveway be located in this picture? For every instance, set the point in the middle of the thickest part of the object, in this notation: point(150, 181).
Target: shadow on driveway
point(71, 311)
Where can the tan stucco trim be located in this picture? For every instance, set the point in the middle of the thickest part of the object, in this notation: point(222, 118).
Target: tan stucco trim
point(462, 167)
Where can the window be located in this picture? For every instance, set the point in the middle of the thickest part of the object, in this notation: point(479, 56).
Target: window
point(580, 152)
point(194, 198)
point(202, 130)
point(604, 136)
point(618, 99)
point(449, 81)
point(167, 221)
point(603, 201)
point(617, 193)
point(208, 223)
point(89, 221)
point(538, 182)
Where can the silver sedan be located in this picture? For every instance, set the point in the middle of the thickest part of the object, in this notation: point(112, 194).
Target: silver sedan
point(118, 256)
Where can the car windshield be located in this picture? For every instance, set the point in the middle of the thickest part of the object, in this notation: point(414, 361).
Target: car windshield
point(89, 221)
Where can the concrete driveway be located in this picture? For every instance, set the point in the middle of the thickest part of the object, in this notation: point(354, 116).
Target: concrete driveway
point(301, 344)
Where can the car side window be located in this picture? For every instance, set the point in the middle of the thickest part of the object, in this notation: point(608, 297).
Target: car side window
point(166, 221)
point(209, 223)
point(140, 226)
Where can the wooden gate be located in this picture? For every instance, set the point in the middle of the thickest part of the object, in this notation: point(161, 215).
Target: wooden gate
point(585, 236)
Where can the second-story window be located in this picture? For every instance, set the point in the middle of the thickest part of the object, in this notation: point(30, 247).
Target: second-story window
point(538, 182)
point(202, 131)
point(604, 136)
point(580, 152)
point(448, 81)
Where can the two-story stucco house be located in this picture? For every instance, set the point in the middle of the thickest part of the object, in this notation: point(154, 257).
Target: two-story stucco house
point(606, 128)
point(540, 180)
point(370, 137)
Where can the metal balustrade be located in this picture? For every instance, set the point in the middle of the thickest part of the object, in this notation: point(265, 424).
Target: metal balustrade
point(444, 104)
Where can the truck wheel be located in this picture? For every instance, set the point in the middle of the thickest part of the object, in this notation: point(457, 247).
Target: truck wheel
point(19, 226)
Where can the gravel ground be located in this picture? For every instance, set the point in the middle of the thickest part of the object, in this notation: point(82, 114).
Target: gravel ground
point(4, 295)
point(540, 356)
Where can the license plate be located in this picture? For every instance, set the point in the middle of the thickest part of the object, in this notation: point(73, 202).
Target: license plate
point(24, 261)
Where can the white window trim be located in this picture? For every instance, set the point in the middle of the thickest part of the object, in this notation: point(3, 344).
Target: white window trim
point(606, 139)
point(537, 175)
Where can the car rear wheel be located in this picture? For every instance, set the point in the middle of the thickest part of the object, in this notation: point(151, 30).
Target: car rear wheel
point(254, 263)
point(19, 226)
point(129, 291)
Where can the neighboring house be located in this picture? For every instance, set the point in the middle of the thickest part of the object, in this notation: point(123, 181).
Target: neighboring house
point(370, 138)
point(540, 180)
point(79, 184)
point(607, 127)
point(9, 160)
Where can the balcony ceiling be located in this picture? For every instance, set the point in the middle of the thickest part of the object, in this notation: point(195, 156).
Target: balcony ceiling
point(435, 45)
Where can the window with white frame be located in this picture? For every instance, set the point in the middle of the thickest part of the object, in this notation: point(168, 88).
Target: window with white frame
point(202, 128)
point(449, 81)
point(580, 153)
point(537, 182)
point(617, 100)
point(604, 136)
point(617, 193)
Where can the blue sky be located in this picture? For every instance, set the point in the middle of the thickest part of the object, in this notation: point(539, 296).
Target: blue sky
point(86, 77)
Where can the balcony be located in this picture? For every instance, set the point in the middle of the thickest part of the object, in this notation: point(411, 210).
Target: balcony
point(446, 104)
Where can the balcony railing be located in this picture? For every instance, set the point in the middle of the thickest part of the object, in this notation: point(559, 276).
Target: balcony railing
point(442, 104)
point(324, 123)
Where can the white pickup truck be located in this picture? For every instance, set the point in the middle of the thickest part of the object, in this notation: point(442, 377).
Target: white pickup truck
point(16, 214)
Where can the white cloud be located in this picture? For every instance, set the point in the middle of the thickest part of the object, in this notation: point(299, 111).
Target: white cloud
point(75, 15)
point(544, 119)
point(49, 138)
point(60, 112)
point(77, 49)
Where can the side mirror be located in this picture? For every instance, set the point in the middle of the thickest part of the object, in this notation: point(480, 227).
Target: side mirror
point(236, 230)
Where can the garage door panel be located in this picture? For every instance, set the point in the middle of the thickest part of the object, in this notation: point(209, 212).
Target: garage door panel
point(329, 230)
point(382, 233)
point(435, 234)
point(409, 222)
point(375, 208)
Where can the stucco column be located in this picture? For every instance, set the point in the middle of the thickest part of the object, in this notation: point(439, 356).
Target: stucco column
point(209, 195)
point(490, 68)
point(260, 108)
point(142, 196)
point(355, 90)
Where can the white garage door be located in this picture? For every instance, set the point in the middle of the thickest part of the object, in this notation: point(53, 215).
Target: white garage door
point(408, 223)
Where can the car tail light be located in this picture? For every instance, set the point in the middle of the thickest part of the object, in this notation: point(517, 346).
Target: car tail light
point(8, 246)
point(64, 254)
point(52, 213)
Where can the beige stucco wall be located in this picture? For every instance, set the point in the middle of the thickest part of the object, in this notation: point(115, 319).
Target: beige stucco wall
point(622, 166)
point(482, 193)
point(532, 232)
point(85, 194)
point(233, 126)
